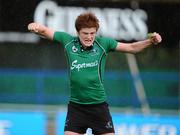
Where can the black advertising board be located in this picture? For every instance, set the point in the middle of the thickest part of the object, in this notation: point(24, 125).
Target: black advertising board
point(120, 20)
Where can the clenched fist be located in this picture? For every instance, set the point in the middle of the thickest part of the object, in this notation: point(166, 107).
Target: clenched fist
point(34, 27)
point(155, 38)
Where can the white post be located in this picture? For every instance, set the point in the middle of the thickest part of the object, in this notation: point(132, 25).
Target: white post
point(138, 83)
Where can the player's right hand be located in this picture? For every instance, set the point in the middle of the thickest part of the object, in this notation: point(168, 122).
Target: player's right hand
point(33, 27)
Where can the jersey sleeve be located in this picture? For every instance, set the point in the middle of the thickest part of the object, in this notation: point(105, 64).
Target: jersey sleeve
point(108, 44)
point(62, 37)
point(112, 45)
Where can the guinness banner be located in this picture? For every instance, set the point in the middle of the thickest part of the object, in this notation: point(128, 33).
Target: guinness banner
point(120, 20)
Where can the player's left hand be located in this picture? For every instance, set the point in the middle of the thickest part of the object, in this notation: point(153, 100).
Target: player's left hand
point(155, 38)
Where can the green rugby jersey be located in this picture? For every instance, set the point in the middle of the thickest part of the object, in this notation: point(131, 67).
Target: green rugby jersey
point(86, 67)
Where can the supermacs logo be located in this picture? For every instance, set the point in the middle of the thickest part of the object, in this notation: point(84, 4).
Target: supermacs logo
point(78, 66)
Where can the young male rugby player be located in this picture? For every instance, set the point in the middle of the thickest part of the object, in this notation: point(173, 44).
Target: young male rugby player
point(86, 56)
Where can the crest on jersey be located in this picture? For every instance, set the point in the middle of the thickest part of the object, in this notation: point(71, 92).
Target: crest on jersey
point(94, 52)
point(74, 49)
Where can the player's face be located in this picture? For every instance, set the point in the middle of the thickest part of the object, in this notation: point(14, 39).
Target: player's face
point(87, 36)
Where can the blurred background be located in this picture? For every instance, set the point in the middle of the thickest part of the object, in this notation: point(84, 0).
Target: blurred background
point(34, 75)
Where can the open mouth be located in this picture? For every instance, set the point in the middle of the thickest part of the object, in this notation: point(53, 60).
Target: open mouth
point(88, 41)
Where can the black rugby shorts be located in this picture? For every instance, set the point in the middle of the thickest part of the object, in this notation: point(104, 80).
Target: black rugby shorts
point(96, 116)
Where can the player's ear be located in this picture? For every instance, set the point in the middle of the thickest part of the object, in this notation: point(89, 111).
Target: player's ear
point(77, 32)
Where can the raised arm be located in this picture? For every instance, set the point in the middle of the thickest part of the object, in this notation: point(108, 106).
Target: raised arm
point(41, 30)
point(138, 46)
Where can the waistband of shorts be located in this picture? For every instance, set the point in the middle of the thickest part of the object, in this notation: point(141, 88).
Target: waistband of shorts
point(103, 103)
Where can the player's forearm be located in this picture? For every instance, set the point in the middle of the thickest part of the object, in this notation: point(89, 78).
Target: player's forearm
point(153, 39)
point(41, 30)
point(141, 45)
